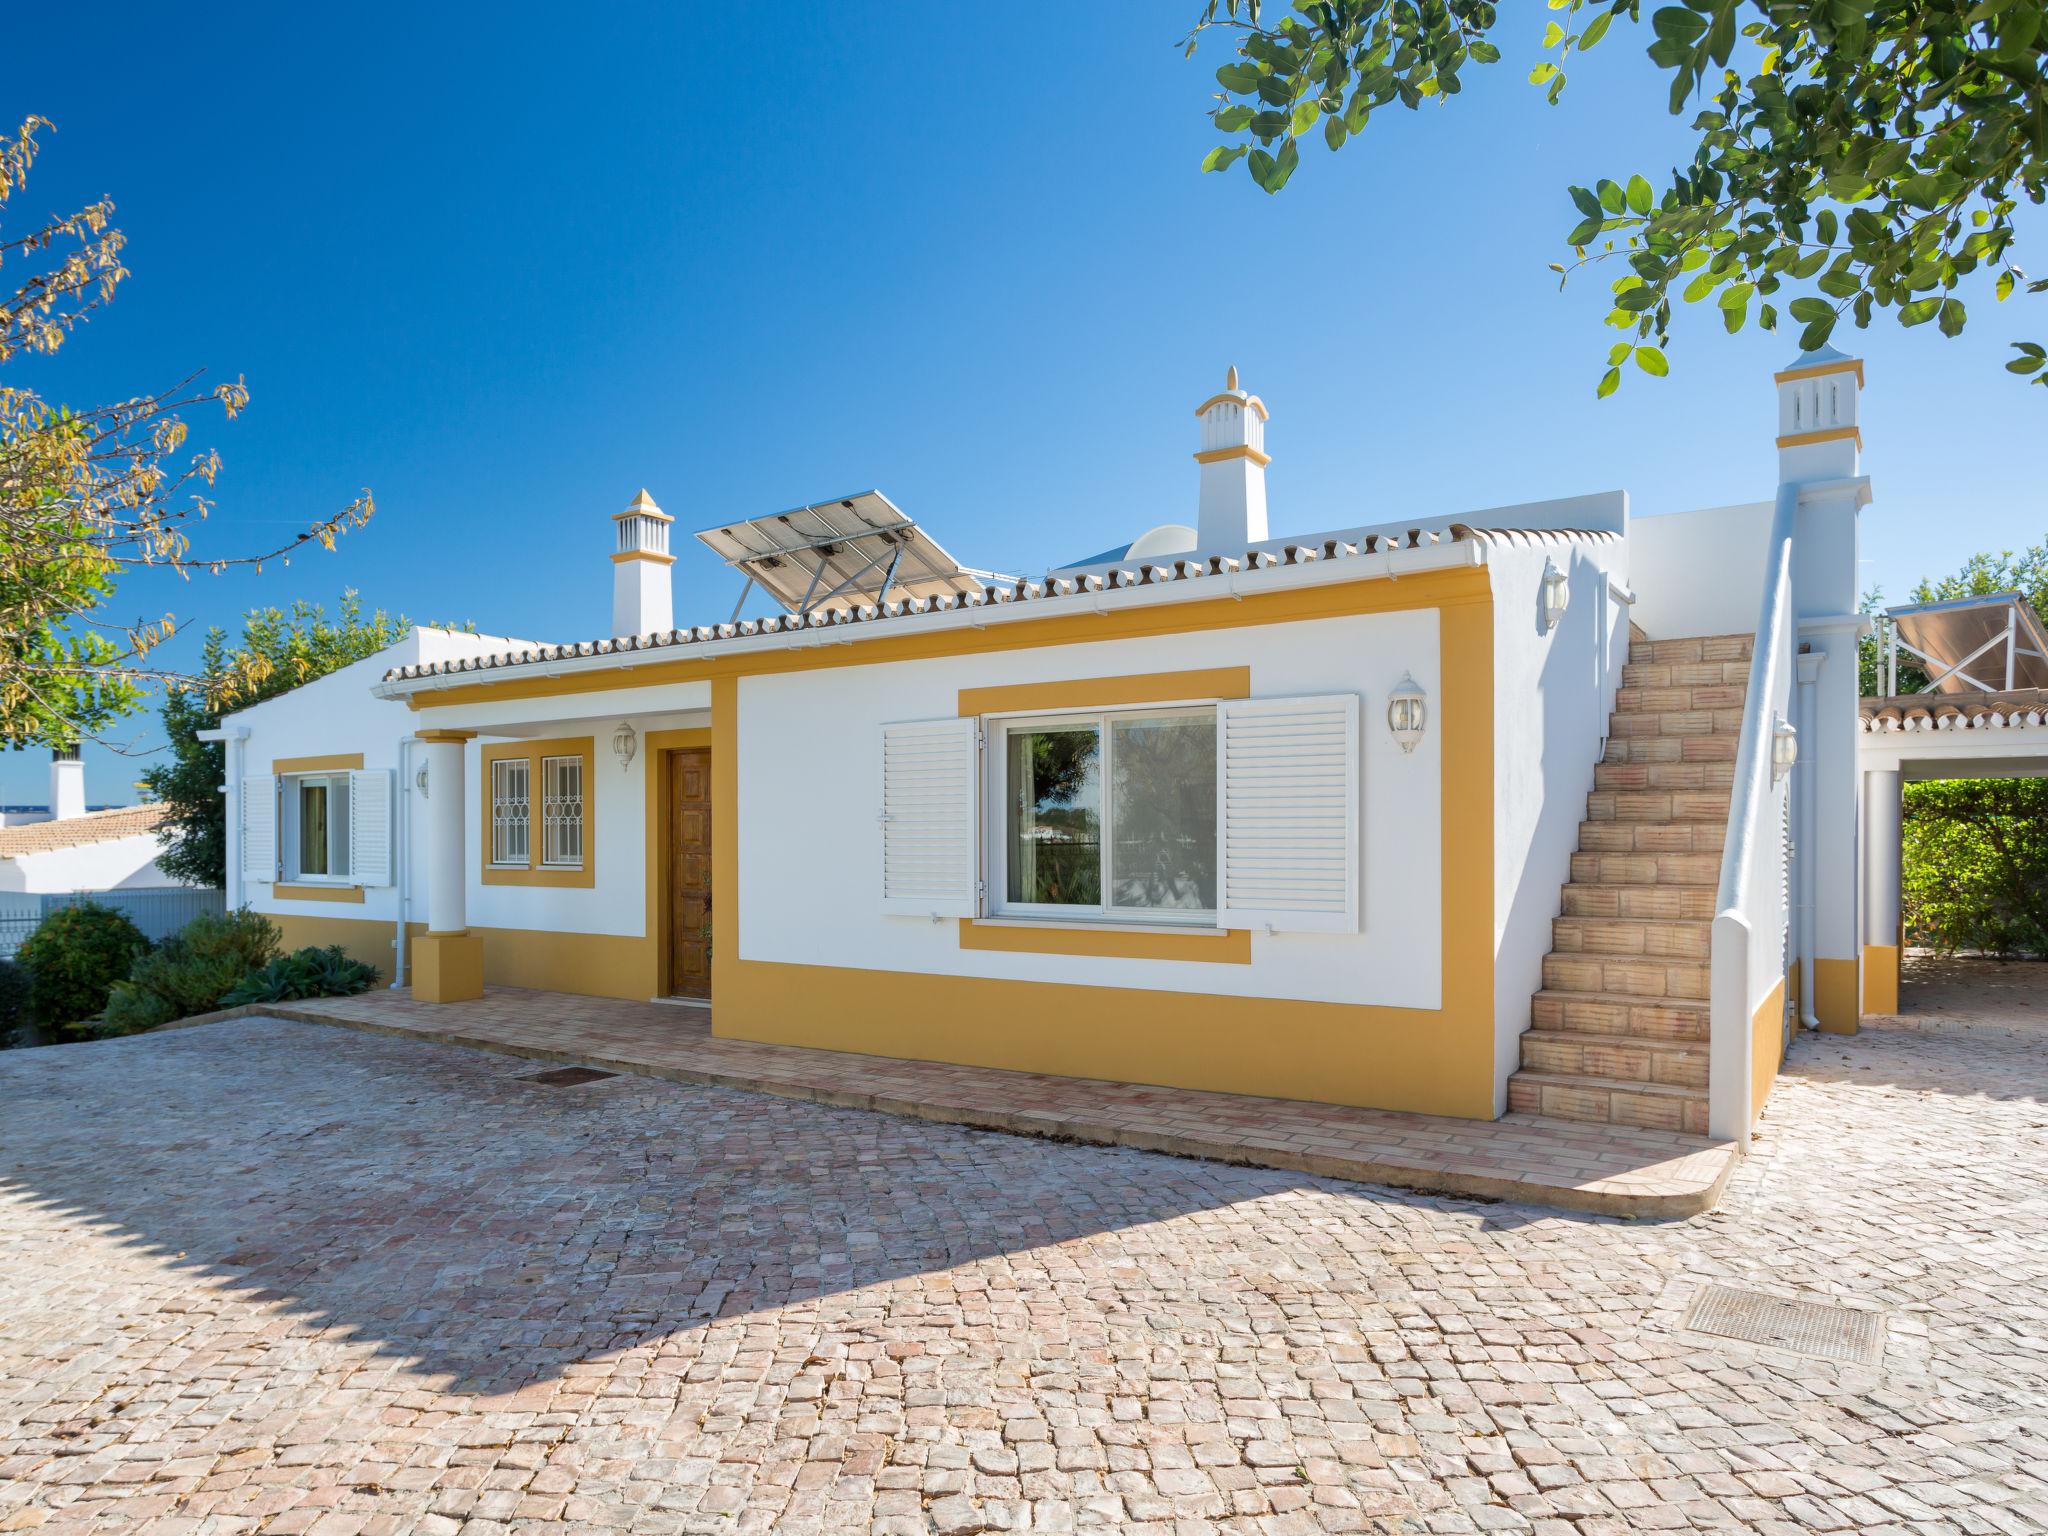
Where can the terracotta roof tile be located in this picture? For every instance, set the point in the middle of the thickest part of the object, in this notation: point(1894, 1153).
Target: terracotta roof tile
point(77, 831)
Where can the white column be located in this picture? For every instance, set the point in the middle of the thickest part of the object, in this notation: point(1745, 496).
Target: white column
point(1883, 810)
point(447, 813)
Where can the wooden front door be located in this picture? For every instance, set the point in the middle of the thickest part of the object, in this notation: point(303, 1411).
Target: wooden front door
point(689, 872)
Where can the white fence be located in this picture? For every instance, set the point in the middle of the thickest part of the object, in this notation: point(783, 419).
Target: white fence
point(158, 912)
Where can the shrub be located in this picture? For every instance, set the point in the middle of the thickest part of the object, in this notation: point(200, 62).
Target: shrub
point(308, 972)
point(191, 971)
point(1976, 865)
point(73, 959)
point(14, 1014)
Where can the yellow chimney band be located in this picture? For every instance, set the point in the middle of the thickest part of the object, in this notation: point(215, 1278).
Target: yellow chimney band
point(1240, 451)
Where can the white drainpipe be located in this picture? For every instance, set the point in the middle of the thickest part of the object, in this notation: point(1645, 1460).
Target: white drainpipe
point(399, 949)
point(1806, 770)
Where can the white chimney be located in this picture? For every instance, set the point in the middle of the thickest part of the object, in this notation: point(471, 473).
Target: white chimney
point(1820, 416)
point(643, 602)
point(1233, 459)
point(67, 783)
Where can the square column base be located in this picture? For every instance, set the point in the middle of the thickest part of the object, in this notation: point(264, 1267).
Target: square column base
point(448, 967)
point(1880, 978)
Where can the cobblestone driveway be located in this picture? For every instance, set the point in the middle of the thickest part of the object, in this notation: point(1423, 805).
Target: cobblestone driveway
point(271, 1276)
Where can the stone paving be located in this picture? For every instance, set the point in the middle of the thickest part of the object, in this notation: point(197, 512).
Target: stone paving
point(272, 1276)
point(1616, 1170)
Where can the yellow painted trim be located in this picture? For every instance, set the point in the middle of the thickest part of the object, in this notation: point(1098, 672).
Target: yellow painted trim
point(653, 514)
point(445, 736)
point(584, 875)
point(656, 744)
point(1766, 1047)
point(1880, 978)
point(1460, 585)
point(1240, 451)
point(1249, 402)
point(344, 893)
point(1431, 1061)
point(1847, 365)
point(643, 554)
point(586, 964)
point(334, 762)
point(1107, 692)
point(1226, 946)
point(1830, 435)
point(1835, 993)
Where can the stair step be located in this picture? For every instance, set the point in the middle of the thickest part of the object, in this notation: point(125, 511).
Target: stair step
point(1601, 1101)
point(1684, 674)
point(1663, 701)
point(1652, 837)
point(1598, 1013)
point(1621, 1058)
point(1680, 722)
point(1646, 869)
point(1662, 939)
point(1700, 648)
point(1717, 775)
point(1671, 749)
point(1628, 975)
point(1657, 805)
point(1645, 903)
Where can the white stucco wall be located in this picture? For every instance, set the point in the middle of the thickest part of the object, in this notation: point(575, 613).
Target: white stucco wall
point(119, 863)
point(1553, 692)
point(1699, 573)
point(810, 789)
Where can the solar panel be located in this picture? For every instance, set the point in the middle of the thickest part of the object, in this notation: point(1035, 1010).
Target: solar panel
point(1974, 644)
point(849, 551)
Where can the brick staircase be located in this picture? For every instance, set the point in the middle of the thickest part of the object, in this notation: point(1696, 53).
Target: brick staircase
point(1618, 1035)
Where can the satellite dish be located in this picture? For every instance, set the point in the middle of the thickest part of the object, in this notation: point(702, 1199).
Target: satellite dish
point(1166, 539)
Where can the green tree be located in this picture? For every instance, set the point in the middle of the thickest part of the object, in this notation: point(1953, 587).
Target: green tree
point(88, 492)
point(1849, 156)
point(278, 651)
point(1976, 865)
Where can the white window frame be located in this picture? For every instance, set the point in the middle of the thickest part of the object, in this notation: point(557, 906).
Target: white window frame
point(997, 819)
point(501, 823)
point(551, 822)
point(338, 827)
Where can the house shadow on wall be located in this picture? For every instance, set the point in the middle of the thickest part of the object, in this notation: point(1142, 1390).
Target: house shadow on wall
point(430, 1204)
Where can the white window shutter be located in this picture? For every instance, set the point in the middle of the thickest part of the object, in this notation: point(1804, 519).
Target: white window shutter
point(931, 838)
point(1288, 807)
point(259, 826)
point(369, 826)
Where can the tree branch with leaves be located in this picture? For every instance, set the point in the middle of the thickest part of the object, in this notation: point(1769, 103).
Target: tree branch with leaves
point(1850, 156)
point(89, 493)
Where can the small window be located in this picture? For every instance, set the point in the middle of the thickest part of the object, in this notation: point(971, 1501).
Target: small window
point(511, 812)
point(316, 827)
point(1111, 816)
point(561, 812)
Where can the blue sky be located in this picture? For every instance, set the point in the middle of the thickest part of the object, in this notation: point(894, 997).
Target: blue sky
point(504, 269)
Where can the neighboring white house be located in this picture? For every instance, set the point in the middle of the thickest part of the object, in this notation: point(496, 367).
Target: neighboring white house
point(1447, 814)
point(69, 848)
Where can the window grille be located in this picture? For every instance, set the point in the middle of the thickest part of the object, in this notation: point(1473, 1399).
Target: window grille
point(561, 811)
point(511, 811)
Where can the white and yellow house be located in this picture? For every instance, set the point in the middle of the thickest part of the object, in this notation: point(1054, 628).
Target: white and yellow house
point(1381, 816)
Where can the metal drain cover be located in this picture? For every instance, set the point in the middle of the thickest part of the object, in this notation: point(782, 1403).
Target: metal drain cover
point(567, 1077)
point(1821, 1330)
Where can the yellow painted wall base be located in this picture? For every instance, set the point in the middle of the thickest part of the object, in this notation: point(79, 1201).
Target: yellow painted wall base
point(1880, 978)
point(1835, 988)
point(1766, 1048)
point(591, 964)
point(448, 967)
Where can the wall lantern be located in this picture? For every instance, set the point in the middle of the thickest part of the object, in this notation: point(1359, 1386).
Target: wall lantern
point(1407, 712)
point(1784, 748)
point(624, 743)
point(420, 779)
point(1557, 594)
